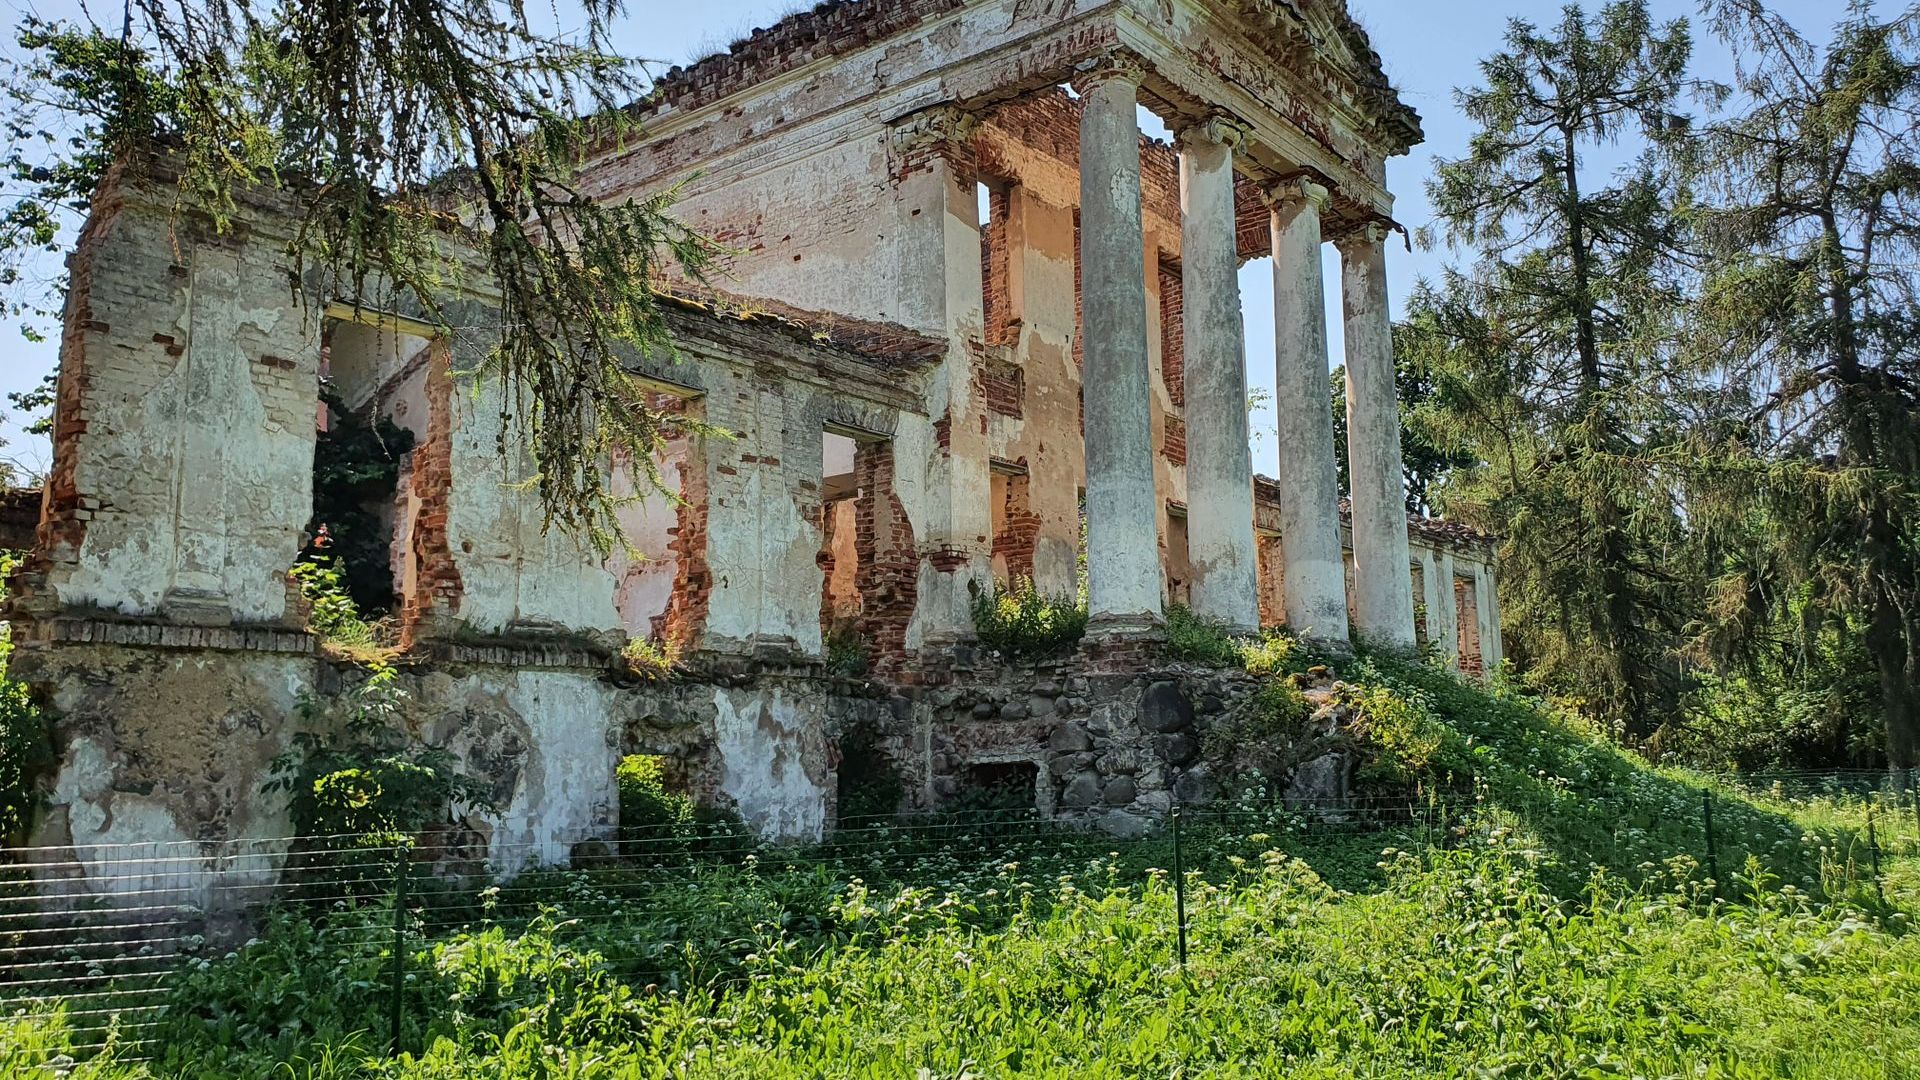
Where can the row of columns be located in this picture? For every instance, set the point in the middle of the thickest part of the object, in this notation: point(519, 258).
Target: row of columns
point(1123, 564)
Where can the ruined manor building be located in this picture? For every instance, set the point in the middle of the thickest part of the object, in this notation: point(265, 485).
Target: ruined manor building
point(994, 334)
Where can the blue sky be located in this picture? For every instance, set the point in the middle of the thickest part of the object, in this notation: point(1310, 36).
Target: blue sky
point(1429, 48)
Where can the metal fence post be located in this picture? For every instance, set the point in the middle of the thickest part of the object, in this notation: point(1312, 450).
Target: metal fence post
point(397, 1005)
point(1913, 789)
point(1179, 892)
point(1873, 850)
point(1713, 856)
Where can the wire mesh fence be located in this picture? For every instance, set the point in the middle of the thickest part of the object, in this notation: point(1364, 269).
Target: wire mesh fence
point(115, 935)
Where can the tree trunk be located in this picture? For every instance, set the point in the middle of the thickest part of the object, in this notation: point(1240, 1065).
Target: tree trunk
point(1881, 559)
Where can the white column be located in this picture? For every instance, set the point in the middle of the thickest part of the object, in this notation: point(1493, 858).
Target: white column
point(1443, 611)
point(1383, 585)
point(1123, 540)
point(1316, 592)
point(1219, 462)
point(1487, 600)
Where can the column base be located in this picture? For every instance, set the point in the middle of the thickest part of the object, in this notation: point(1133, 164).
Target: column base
point(1123, 643)
point(1337, 648)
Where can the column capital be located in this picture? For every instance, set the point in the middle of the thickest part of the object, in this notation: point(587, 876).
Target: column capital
point(1367, 234)
point(938, 125)
point(1298, 189)
point(1213, 130)
point(1117, 65)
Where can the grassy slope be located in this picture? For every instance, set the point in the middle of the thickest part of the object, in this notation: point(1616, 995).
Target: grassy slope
point(1563, 929)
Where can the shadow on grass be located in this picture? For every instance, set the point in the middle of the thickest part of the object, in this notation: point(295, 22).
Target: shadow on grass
point(1596, 807)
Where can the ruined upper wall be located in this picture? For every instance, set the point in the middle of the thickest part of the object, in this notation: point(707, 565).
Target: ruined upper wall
point(821, 82)
point(189, 403)
point(1320, 32)
point(184, 423)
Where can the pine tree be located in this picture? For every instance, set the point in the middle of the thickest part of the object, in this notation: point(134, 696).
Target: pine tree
point(1813, 225)
point(1548, 353)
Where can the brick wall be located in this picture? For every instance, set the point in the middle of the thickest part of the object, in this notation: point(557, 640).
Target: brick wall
point(996, 296)
point(1004, 386)
point(1173, 335)
point(436, 582)
point(1173, 445)
point(889, 566)
point(1017, 527)
point(686, 615)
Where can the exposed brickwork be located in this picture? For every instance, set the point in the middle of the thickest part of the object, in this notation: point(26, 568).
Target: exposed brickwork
point(828, 29)
point(1468, 607)
point(889, 568)
point(1270, 568)
point(996, 279)
point(1173, 444)
point(1048, 124)
point(1004, 386)
point(1079, 324)
point(437, 586)
point(686, 615)
point(1016, 527)
point(63, 522)
point(1173, 336)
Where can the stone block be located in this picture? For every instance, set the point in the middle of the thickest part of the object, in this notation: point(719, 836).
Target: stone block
point(1081, 792)
point(1068, 738)
point(1164, 709)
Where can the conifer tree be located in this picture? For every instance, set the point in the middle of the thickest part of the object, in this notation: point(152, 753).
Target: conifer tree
point(1547, 352)
point(1808, 313)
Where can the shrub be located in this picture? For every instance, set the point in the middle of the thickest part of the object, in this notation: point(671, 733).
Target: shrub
point(356, 770)
point(26, 745)
point(647, 808)
point(1201, 641)
point(1272, 653)
point(1400, 738)
point(1022, 624)
point(649, 660)
point(848, 653)
point(335, 618)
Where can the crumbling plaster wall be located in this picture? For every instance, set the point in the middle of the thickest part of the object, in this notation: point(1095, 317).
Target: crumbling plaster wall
point(184, 426)
point(167, 725)
point(169, 746)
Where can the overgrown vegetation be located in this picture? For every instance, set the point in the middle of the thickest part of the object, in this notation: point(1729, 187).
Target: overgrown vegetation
point(333, 616)
point(26, 744)
point(849, 653)
point(1200, 641)
point(356, 470)
point(647, 808)
point(1561, 923)
point(1559, 916)
point(1021, 623)
point(356, 768)
point(649, 660)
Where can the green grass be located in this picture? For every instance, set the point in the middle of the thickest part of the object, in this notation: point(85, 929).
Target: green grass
point(1547, 915)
